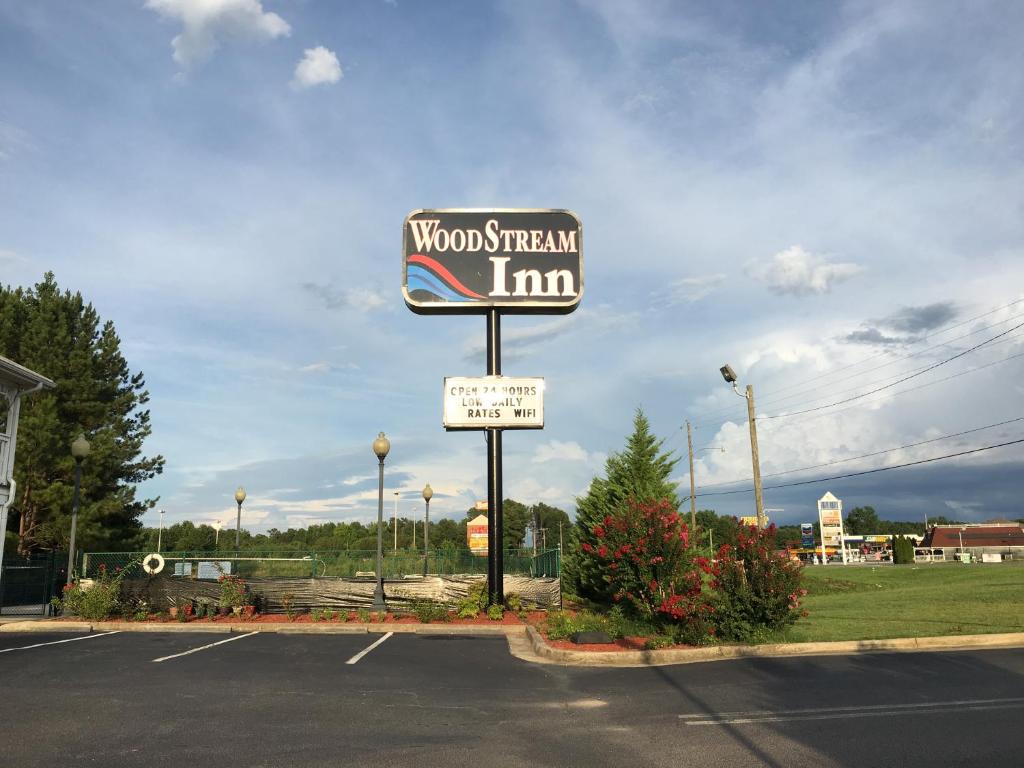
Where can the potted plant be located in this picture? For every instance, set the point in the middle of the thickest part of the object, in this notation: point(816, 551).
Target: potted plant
point(234, 595)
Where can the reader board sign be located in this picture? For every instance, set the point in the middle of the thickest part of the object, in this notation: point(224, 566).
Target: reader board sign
point(830, 517)
point(473, 260)
point(807, 535)
point(487, 402)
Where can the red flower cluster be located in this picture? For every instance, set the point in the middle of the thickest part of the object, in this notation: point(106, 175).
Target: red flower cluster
point(649, 562)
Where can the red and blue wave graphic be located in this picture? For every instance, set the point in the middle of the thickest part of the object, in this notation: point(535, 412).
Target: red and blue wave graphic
point(426, 274)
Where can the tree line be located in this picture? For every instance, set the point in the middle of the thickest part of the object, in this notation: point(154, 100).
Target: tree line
point(444, 533)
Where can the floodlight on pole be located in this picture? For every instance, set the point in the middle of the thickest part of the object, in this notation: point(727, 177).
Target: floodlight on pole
point(730, 377)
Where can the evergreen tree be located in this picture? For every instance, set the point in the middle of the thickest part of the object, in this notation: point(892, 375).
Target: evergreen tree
point(641, 472)
point(61, 336)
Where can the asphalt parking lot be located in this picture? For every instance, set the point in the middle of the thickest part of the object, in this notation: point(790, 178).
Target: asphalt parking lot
point(153, 699)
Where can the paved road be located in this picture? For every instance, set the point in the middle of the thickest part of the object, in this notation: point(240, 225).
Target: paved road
point(292, 700)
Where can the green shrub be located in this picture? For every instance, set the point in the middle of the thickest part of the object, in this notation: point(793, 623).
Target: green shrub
point(902, 550)
point(495, 613)
point(364, 615)
point(427, 611)
point(474, 602)
point(561, 625)
point(514, 602)
point(654, 642)
point(100, 601)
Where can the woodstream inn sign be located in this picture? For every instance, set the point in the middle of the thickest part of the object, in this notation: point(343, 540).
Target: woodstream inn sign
point(469, 261)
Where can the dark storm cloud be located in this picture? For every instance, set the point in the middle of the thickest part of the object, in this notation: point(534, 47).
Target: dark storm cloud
point(914, 320)
point(909, 322)
point(871, 336)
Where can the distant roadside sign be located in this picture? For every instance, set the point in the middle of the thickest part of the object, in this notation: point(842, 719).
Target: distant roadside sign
point(486, 402)
point(807, 535)
point(473, 260)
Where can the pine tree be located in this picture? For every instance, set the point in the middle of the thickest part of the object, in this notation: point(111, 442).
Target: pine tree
point(61, 336)
point(641, 472)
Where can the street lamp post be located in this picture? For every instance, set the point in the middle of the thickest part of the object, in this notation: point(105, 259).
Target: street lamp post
point(239, 498)
point(160, 532)
point(428, 493)
point(381, 446)
point(79, 450)
point(730, 377)
point(217, 524)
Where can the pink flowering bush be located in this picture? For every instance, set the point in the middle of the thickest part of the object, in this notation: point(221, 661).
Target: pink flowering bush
point(757, 590)
point(650, 565)
point(646, 557)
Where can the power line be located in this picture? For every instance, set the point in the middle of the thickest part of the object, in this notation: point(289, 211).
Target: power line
point(893, 378)
point(886, 351)
point(770, 399)
point(915, 387)
point(775, 400)
point(899, 381)
point(866, 471)
point(869, 455)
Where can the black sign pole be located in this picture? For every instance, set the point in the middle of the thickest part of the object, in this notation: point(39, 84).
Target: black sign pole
point(495, 532)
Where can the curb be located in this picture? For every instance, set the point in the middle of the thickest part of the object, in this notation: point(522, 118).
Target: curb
point(526, 643)
point(44, 625)
point(725, 652)
point(350, 628)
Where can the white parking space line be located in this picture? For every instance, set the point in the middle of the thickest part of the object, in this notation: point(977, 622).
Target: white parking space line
point(365, 651)
point(869, 710)
point(58, 642)
point(204, 647)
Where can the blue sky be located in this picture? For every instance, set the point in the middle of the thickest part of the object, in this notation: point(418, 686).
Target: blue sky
point(808, 191)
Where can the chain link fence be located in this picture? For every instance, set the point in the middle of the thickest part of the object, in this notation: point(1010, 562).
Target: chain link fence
point(328, 564)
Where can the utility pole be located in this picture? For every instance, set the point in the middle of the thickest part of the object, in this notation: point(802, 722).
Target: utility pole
point(533, 522)
point(693, 488)
point(730, 377)
point(755, 458)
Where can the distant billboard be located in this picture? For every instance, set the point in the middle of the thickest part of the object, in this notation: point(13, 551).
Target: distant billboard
point(476, 535)
point(807, 535)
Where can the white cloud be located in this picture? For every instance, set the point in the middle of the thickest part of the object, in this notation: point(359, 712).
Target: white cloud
point(315, 368)
point(205, 23)
point(363, 299)
point(319, 66)
point(557, 450)
point(687, 290)
point(799, 273)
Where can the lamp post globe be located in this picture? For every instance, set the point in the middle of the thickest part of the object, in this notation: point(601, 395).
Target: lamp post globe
point(381, 447)
point(79, 451)
point(239, 498)
point(428, 494)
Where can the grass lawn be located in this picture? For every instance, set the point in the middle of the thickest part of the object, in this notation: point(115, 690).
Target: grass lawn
point(866, 602)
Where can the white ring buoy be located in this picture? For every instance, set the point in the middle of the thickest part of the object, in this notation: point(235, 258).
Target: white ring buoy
point(153, 563)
